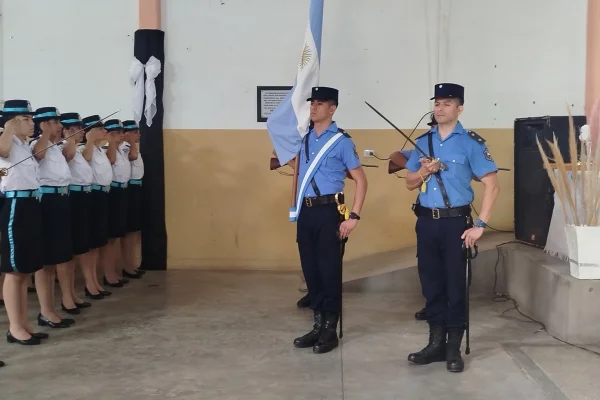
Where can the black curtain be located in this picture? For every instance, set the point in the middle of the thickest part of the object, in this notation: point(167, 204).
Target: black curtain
point(148, 43)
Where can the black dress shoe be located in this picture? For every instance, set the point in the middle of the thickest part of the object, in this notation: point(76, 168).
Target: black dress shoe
point(329, 338)
point(72, 311)
point(124, 281)
point(98, 296)
point(118, 284)
point(43, 321)
point(304, 302)
point(67, 321)
point(420, 315)
point(105, 293)
point(454, 361)
point(40, 335)
point(313, 336)
point(27, 342)
point(135, 275)
point(140, 271)
point(435, 350)
point(85, 304)
point(2, 364)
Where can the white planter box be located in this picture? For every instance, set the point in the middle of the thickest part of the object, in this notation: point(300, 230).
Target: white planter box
point(584, 251)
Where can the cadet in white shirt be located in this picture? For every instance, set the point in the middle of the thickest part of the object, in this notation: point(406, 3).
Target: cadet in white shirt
point(20, 220)
point(117, 202)
point(80, 189)
point(54, 176)
point(132, 240)
point(98, 217)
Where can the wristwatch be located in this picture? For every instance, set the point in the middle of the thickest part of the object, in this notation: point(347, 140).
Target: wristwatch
point(354, 215)
point(480, 224)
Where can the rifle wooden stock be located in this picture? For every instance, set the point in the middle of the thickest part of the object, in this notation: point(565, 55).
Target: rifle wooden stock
point(397, 162)
point(274, 164)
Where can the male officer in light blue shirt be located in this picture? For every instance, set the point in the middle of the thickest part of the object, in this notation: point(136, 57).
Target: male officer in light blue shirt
point(321, 229)
point(455, 156)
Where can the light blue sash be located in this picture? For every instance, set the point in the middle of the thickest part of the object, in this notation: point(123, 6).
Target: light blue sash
point(310, 173)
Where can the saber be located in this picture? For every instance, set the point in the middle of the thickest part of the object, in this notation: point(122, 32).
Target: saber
point(443, 166)
point(469, 256)
point(4, 171)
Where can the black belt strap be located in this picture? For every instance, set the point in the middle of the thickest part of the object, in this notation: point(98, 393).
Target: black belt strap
point(438, 177)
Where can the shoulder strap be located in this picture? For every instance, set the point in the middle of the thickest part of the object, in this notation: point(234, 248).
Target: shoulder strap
point(438, 177)
point(340, 130)
point(312, 182)
point(473, 135)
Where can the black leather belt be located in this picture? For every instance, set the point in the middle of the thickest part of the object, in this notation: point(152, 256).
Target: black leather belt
point(437, 213)
point(320, 200)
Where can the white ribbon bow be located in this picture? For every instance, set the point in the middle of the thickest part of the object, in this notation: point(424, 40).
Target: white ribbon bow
point(136, 75)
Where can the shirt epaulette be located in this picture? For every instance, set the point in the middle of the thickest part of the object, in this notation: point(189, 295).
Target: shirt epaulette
point(473, 135)
point(425, 134)
point(344, 133)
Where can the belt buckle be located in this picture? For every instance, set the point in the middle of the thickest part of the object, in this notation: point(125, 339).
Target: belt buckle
point(63, 190)
point(435, 213)
point(308, 201)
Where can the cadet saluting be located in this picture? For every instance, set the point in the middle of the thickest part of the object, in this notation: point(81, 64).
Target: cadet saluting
point(54, 176)
point(132, 239)
point(444, 221)
point(327, 152)
point(20, 219)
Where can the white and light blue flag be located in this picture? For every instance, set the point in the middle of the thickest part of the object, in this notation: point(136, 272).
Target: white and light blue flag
point(289, 122)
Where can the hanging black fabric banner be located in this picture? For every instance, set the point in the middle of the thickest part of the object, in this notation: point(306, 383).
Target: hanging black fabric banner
point(148, 43)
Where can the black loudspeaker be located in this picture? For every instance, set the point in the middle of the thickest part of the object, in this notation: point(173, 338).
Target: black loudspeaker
point(534, 194)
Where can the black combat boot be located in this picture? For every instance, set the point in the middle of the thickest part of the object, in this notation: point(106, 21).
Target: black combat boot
point(454, 361)
point(304, 302)
point(329, 338)
point(435, 350)
point(420, 315)
point(313, 336)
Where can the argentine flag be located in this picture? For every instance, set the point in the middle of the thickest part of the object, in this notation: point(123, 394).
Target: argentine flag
point(289, 122)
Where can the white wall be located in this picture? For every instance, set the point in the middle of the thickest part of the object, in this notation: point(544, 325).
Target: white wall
point(508, 54)
point(71, 54)
point(75, 54)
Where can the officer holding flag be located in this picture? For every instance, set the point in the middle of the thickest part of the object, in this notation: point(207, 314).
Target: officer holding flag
point(323, 222)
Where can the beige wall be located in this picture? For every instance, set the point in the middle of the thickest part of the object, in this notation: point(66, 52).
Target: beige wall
point(226, 210)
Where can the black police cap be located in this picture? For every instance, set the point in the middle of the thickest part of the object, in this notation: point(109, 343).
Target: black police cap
point(448, 91)
point(130, 125)
point(113, 125)
point(45, 114)
point(12, 108)
point(93, 121)
point(70, 119)
point(324, 93)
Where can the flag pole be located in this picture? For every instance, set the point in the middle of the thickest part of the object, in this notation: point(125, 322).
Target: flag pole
point(295, 181)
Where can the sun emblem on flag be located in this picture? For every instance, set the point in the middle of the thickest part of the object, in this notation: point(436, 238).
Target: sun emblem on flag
point(306, 56)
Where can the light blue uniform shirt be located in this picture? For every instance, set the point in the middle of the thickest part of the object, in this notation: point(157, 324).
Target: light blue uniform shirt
point(332, 172)
point(464, 155)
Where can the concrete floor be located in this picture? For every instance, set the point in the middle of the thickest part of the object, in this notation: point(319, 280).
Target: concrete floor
point(212, 335)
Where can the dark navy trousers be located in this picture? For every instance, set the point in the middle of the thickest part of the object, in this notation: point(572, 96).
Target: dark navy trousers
point(321, 253)
point(442, 269)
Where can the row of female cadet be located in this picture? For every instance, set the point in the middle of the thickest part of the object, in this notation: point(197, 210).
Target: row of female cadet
point(72, 196)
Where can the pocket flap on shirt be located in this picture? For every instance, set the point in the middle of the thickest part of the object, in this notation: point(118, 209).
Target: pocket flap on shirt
point(454, 159)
